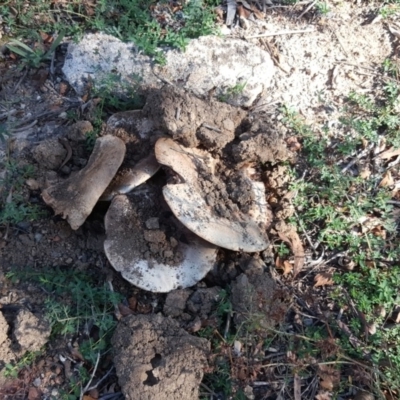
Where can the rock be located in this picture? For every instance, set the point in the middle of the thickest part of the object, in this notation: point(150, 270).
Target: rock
point(175, 302)
point(203, 301)
point(210, 63)
point(3, 329)
point(155, 359)
point(257, 303)
point(31, 332)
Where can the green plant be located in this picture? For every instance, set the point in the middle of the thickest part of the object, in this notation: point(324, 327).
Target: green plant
point(322, 7)
point(14, 207)
point(33, 57)
point(12, 369)
point(232, 91)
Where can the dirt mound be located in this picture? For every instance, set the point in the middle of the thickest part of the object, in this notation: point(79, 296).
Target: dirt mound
point(155, 359)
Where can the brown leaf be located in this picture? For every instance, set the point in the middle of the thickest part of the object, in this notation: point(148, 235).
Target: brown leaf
point(387, 180)
point(288, 234)
point(323, 279)
point(34, 394)
point(63, 88)
point(365, 173)
point(323, 396)
point(392, 152)
point(330, 377)
point(285, 265)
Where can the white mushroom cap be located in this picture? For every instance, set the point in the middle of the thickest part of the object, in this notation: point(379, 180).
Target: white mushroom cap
point(127, 253)
point(187, 201)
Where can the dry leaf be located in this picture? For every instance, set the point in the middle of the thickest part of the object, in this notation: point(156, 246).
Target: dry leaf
point(330, 377)
point(365, 173)
point(285, 265)
point(323, 396)
point(63, 88)
point(387, 180)
point(392, 152)
point(132, 301)
point(34, 394)
point(379, 231)
point(323, 279)
point(288, 234)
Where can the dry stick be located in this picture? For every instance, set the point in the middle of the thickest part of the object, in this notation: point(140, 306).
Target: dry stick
point(24, 128)
point(310, 30)
point(20, 81)
point(307, 9)
point(355, 159)
point(7, 114)
point(41, 115)
point(101, 380)
point(83, 391)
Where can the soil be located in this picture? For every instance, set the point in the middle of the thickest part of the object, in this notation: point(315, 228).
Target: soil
point(172, 368)
point(315, 71)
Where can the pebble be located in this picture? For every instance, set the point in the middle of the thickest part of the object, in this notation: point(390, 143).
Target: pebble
point(38, 237)
point(37, 382)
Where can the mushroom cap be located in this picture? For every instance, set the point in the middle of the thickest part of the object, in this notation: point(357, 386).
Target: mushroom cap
point(129, 178)
point(188, 202)
point(151, 258)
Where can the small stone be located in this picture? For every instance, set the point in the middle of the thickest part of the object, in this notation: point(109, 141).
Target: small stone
point(32, 184)
point(37, 382)
point(69, 260)
point(38, 237)
point(153, 223)
point(175, 302)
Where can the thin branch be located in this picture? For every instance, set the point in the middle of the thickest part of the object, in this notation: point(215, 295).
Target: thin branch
point(268, 34)
point(85, 389)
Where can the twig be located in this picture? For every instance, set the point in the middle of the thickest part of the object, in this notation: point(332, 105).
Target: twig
point(41, 115)
point(307, 9)
point(20, 81)
point(7, 114)
point(83, 391)
point(101, 380)
point(268, 34)
point(209, 390)
point(68, 147)
point(355, 159)
point(212, 128)
point(24, 128)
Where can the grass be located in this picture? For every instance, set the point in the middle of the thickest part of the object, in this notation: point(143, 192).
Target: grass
point(129, 20)
point(14, 205)
point(87, 313)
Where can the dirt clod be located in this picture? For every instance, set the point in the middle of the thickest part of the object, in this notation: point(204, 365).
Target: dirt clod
point(155, 359)
point(78, 131)
point(49, 154)
point(175, 302)
point(32, 332)
point(192, 121)
point(203, 300)
point(256, 302)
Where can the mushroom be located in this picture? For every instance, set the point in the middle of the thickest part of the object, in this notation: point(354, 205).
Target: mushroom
point(75, 197)
point(129, 178)
point(150, 248)
point(236, 230)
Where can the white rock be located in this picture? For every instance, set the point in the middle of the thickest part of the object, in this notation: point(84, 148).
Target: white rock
point(208, 63)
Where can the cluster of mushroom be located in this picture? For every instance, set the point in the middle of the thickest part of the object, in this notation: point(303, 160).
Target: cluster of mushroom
point(163, 233)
